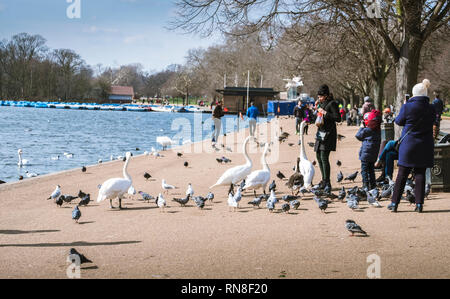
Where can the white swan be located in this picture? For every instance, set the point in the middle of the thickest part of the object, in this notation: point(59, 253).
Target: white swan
point(116, 187)
point(259, 178)
point(306, 167)
point(164, 141)
point(236, 174)
point(22, 162)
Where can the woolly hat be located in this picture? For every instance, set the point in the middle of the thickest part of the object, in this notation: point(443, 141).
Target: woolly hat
point(421, 89)
point(323, 90)
point(368, 99)
point(372, 119)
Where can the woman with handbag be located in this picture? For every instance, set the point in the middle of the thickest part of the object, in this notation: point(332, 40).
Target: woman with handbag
point(416, 146)
point(326, 137)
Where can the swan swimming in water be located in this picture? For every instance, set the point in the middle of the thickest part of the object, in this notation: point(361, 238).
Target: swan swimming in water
point(22, 162)
point(236, 174)
point(259, 178)
point(306, 167)
point(117, 187)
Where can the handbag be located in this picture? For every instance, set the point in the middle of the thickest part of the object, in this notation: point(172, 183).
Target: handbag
point(319, 120)
point(398, 142)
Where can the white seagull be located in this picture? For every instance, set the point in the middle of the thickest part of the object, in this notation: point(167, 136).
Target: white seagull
point(166, 186)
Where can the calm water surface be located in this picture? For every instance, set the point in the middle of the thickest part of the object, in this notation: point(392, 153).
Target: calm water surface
point(89, 136)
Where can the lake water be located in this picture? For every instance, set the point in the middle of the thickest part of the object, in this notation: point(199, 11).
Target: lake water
point(89, 136)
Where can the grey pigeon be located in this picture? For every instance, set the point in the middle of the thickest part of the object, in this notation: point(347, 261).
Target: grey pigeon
point(295, 204)
point(354, 228)
point(288, 198)
point(340, 177)
point(200, 201)
point(270, 205)
point(146, 197)
point(60, 201)
point(182, 201)
point(387, 193)
point(280, 175)
point(372, 196)
point(352, 202)
point(339, 163)
point(85, 200)
point(68, 198)
point(285, 208)
point(76, 214)
point(273, 186)
point(410, 197)
point(352, 177)
point(210, 196)
point(256, 202)
point(342, 194)
point(323, 204)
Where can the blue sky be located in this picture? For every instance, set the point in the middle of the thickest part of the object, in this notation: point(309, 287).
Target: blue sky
point(110, 32)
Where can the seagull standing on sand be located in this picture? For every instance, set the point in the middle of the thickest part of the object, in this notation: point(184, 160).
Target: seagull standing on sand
point(56, 194)
point(30, 174)
point(189, 190)
point(161, 202)
point(166, 186)
point(231, 202)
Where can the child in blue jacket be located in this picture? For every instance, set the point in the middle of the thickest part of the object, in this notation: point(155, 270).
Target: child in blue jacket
point(370, 135)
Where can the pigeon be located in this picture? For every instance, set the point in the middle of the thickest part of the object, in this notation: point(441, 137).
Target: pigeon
point(166, 186)
point(272, 197)
point(83, 259)
point(311, 144)
point(20, 178)
point(210, 196)
point(179, 155)
point(56, 194)
point(231, 202)
point(68, 198)
point(182, 201)
point(285, 208)
point(76, 214)
point(294, 204)
point(60, 201)
point(340, 137)
point(83, 169)
point(186, 164)
point(280, 175)
point(200, 201)
point(323, 204)
point(352, 202)
point(226, 160)
point(352, 227)
point(85, 200)
point(147, 176)
point(256, 202)
point(340, 177)
point(219, 160)
point(339, 163)
point(352, 177)
point(372, 196)
point(353, 190)
point(161, 202)
point(342, 194)
point(270, 205)
point(387, 193)
point(189, 190)
point(81, 194)
point(289, 198)
point(146, 197)
point(273, 186)
point(99, 161)
point(2, 182)
point(291, 144)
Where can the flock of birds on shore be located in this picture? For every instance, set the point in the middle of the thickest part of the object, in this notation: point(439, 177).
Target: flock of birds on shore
point(242, 176)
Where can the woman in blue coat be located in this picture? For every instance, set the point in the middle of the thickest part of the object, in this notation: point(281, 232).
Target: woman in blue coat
point(416, 151)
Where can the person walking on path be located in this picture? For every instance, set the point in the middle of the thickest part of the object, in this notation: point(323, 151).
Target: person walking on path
point(416, 151)
point(298, 114)
point(326, 137)
point(438, 105)
point(252, 114)
point(217, 118)
point(370, 135)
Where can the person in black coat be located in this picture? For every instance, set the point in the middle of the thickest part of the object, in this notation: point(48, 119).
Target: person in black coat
point(326, 137)
point(416, 151)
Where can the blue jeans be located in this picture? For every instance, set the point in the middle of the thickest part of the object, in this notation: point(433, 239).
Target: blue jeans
point(388, 156)
point(368, 174)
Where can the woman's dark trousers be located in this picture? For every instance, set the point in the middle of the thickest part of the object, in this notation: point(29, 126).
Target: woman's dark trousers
point(402, 176)
point(323, 157)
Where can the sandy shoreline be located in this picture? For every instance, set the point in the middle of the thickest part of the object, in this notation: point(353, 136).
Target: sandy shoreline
point(141, 242)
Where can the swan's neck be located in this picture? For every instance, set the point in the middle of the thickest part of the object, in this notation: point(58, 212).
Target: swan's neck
point(125, 172)
point(20, 157)
point(264, 160)
point(244, 147)
point(298, 166)
point(302, 148)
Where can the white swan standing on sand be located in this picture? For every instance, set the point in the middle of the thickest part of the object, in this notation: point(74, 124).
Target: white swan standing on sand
point(22, 162)
point(236, 174)
point(259, 178)
point(306, 167)
point(116, 187)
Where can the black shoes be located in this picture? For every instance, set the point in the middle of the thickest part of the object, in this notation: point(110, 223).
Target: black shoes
point(419, 208)
point(393, 207)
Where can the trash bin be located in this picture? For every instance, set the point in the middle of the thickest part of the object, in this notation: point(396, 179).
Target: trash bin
point(387, 131)
point(440, 173)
